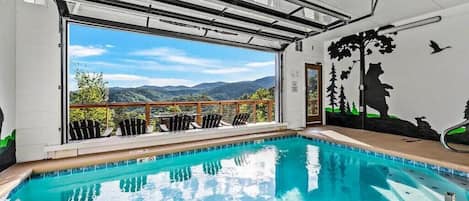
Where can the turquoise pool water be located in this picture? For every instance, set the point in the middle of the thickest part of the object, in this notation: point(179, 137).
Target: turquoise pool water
point(292, 169)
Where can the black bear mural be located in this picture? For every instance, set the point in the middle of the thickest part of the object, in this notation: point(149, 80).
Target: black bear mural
point(8, 151)
point(376, 91)
point(363, 42)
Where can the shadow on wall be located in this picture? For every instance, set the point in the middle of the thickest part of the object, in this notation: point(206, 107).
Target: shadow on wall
point(375, 93)
point(7, 147)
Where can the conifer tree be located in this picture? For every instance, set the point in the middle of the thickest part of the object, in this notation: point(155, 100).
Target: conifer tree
point(331, 89)
point(354, 108)
point(466, 112)
point(342, 100)
point(349, 110)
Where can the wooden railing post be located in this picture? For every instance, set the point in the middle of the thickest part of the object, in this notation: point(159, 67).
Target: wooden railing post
point(237, 107)
point(220, 108)
point(199, 113)
point(107, 117)
point(269, 110)
point(254, 112)
point(147, 113)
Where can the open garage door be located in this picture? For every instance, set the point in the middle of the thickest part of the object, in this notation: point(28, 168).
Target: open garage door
point(258, 24)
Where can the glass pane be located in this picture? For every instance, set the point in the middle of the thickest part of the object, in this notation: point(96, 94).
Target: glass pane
point(312, 92)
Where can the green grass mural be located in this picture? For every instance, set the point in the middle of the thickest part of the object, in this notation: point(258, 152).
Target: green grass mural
point(11, 138)
point(355, 112)
point(458, 131)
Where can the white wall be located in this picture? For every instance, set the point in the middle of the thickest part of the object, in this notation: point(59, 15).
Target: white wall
point(387, 12)
point(294, 71)
point(434, 86)
point(7, 65)
point(37, 79)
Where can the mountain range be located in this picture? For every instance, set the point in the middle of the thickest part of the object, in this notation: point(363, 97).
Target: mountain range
point(214, 90)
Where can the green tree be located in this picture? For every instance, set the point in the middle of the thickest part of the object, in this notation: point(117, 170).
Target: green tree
point(261, 109)
point(354, 108)
point(92, 89)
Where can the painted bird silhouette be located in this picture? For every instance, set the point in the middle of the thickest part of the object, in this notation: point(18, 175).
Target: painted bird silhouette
point(436, 48)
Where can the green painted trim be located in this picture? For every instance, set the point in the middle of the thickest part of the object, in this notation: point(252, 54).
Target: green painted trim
point(4, 142)
point(458, 131)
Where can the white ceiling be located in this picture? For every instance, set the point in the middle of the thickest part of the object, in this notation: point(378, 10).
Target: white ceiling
point(388, 12)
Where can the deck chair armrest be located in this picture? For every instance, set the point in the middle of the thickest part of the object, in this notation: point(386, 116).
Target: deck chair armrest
point(163, 128)
point(149, 129)
point(224, 123)
point(196, 125)
point(118, 132)
point(107, 132)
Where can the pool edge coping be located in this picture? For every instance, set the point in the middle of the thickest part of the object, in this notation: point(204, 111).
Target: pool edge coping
point(410, 157)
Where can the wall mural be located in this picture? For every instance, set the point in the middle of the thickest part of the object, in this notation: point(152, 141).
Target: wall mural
point(436, 48)
point(7, 147)
point(1, 122)
point(363, 42)
point(375, 91)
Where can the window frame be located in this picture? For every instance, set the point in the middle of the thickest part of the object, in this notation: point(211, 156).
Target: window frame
point(65, 63)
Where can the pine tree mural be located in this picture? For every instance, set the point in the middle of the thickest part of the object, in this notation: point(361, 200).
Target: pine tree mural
point(349, 110)
point(354, 108)
point(342, 100)
point(331, 89)
point(466, 112)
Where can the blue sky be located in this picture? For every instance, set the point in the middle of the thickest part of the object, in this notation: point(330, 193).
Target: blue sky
point(131, 59)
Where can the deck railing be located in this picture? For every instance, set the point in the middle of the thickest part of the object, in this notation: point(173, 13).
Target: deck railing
point(148, 106)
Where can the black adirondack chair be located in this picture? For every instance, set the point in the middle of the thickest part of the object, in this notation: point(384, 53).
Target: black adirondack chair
point(176, 123)
point(238, 120)
point(209, 121)
point(87, 129)
point(132, 126)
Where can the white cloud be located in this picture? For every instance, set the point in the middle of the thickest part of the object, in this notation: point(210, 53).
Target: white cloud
point(136, 80)
point(109, 46)
point(175, 56)
point(85, 51)
point(261, 64)
point(226, 70)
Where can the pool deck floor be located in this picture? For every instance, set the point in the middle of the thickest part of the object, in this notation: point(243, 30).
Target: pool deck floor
point(411, 148)
point(427, 151)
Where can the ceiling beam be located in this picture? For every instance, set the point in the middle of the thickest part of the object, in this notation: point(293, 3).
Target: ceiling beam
point(321, 9)
point(161, 32)
point(222, 14)
point(190, 19)
point(62, 7)
point(269, 13)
